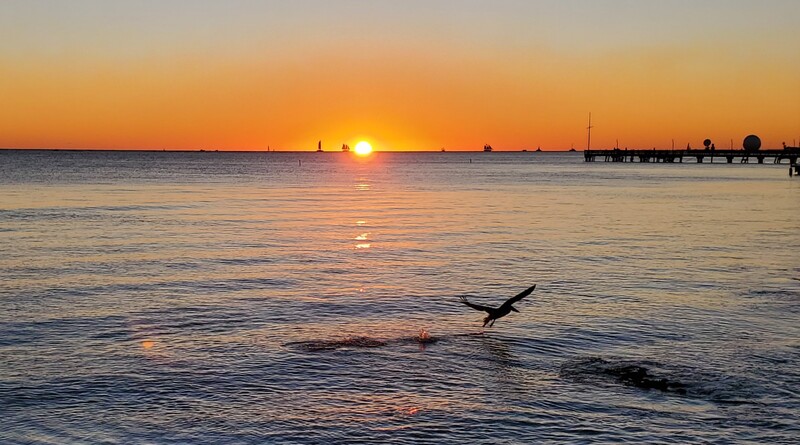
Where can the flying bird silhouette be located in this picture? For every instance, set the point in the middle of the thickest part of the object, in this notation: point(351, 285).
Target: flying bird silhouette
point(503, 310)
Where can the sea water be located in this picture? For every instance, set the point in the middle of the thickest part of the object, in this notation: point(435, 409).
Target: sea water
point(249, 298)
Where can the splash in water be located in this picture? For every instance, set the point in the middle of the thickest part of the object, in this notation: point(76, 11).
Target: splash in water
point(424, 335)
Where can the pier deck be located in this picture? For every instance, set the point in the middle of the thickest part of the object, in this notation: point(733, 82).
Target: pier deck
point(791, 154)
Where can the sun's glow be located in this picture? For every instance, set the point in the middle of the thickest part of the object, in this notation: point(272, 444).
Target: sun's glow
point(363, 148)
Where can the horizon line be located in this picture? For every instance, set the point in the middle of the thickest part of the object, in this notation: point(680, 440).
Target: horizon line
point(204, 150)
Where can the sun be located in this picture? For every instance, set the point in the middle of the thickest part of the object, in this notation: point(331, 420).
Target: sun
point(363, 148)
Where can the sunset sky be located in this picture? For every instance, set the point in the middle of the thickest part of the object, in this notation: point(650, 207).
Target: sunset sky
point(404, 75)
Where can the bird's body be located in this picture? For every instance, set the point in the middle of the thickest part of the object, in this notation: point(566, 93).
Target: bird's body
point(503, 310)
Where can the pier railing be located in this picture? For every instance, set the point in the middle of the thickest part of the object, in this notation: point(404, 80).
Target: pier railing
point(791, 154)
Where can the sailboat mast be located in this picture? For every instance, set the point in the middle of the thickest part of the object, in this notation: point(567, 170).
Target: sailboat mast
point(589, 128)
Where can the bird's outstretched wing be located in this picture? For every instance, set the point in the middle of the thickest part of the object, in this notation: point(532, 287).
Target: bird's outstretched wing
point(521, 295)
point(477, 307)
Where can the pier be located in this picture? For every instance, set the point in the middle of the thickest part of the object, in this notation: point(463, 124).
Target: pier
point(791, 154)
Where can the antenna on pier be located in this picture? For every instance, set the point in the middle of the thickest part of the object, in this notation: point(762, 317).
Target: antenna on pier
point(589, 128)
point(673, 144)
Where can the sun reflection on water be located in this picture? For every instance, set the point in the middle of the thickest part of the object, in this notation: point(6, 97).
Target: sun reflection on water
point(362, 237)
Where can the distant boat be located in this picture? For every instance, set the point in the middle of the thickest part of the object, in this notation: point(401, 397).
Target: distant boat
point(319, 147)
point(571, 149)
point(487, 147)
point(539, 149)
point(345, 148)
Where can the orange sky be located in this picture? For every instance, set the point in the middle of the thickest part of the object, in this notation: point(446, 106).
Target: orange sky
point(517, 75)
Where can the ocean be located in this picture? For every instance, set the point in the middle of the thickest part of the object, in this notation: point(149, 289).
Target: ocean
point(258, 298)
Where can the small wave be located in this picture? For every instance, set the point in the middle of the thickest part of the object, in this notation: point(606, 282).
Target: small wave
point(774, 294)
point(422, 339)
point(626, 373)
point(329, 345)
point(713, 387)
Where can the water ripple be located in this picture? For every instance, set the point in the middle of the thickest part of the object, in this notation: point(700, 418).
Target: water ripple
point(218, 298)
